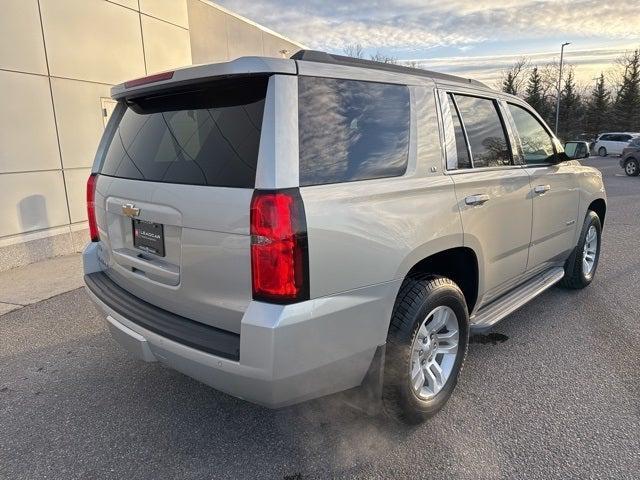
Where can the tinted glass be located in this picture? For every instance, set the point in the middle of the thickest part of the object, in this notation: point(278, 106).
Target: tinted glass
point(625, 138)
point(204, 136)
point(606, 137)
point(537, 145)
point(461, 144)
point(488, 142)
point(351, 130)
point(571, 148)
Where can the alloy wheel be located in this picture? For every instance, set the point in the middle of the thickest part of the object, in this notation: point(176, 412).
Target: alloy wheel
point(590, 251)
point(433, 352)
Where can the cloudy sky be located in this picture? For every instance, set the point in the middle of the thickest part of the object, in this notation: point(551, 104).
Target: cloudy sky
point(472, 37)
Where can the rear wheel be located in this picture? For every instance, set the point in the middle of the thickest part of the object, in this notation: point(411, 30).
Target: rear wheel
point(631, 167)
point(602, 152)
point(426, 346)
point(583, 262)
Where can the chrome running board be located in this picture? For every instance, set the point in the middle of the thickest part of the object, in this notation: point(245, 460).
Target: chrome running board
point(491, 314)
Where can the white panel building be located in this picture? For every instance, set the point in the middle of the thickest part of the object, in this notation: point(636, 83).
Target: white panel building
point(58, 61)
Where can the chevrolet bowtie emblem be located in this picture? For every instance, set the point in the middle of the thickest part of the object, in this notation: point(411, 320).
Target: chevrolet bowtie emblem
point(130, 210)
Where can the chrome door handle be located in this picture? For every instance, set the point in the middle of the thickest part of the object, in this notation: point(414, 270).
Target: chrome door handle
point(542, 189)
point(476, 199)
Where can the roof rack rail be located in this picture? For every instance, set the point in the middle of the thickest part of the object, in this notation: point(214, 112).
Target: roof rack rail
point(324, 57)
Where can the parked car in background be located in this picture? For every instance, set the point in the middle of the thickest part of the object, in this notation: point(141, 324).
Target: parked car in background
point(613, 143)
point(630, 160)
point(577, 149)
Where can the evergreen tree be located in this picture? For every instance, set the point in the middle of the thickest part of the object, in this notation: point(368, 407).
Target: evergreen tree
point(534, 93)
point(626, 109)
point(509, 84)
point(598, 108)
point(570, 119)
point(513, 78)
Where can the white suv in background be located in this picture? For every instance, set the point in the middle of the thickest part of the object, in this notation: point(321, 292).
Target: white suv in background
point(613, 143)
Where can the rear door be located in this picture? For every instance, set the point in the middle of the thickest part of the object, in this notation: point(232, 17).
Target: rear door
point(173, 198)
point(554, 191)
point(492, 190)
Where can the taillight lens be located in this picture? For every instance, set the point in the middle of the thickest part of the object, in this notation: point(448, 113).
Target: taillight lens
point(279, 255)
point(91, 207)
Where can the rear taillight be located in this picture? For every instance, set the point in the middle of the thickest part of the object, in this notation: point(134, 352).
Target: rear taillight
point(91, 207)
point(279, 255)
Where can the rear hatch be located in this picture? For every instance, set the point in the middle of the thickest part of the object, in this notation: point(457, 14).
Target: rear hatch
point(173, 197)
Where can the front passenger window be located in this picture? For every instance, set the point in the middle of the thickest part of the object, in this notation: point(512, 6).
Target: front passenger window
point(537, 145)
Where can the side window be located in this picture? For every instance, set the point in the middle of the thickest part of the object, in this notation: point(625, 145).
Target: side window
point(537, 144)
point(461, 144)
point(605, 138)
point(351, 130)
point(486, 134)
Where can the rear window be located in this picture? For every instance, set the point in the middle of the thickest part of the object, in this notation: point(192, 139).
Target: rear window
point(351, 130)
point(204, 135)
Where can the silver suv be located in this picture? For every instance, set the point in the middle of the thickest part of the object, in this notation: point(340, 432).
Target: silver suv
point(283, 229)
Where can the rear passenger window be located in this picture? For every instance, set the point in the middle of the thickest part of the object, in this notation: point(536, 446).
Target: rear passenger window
point(351, 130)
point(487, 138)
point(461, 144)
point(537, 144)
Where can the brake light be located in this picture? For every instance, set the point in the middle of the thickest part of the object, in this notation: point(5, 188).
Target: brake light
point(279, 255)
point(91, 207)
point(156, 77)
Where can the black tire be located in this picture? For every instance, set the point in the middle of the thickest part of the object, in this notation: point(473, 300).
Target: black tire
point(632, 167)
point(602, 152)
point(418, 296)
point(575, 277)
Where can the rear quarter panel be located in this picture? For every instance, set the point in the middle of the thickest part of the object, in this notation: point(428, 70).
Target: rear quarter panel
point(371, 232)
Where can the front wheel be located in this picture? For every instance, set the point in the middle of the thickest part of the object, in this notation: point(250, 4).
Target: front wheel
point(426, 347)
point(631, 167)
point(602, 152)
point(583, 262)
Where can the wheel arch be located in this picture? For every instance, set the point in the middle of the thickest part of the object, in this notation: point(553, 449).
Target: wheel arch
point(599, 206)
point(460, 264)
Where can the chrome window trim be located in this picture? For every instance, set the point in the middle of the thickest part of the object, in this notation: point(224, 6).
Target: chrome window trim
point(484, 169)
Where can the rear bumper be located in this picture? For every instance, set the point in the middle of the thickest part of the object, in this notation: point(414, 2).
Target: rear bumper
point(288, 353)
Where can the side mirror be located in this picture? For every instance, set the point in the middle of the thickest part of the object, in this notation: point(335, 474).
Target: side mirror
point(575, 150)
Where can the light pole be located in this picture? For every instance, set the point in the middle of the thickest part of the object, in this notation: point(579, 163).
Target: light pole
point(560, 84)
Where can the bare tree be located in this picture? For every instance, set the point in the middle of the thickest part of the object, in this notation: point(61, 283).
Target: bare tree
point(380, 57)
point(513, 78)
point(354, 50)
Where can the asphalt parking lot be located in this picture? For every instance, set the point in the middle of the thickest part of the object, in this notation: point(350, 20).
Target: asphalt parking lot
point(554, 393)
